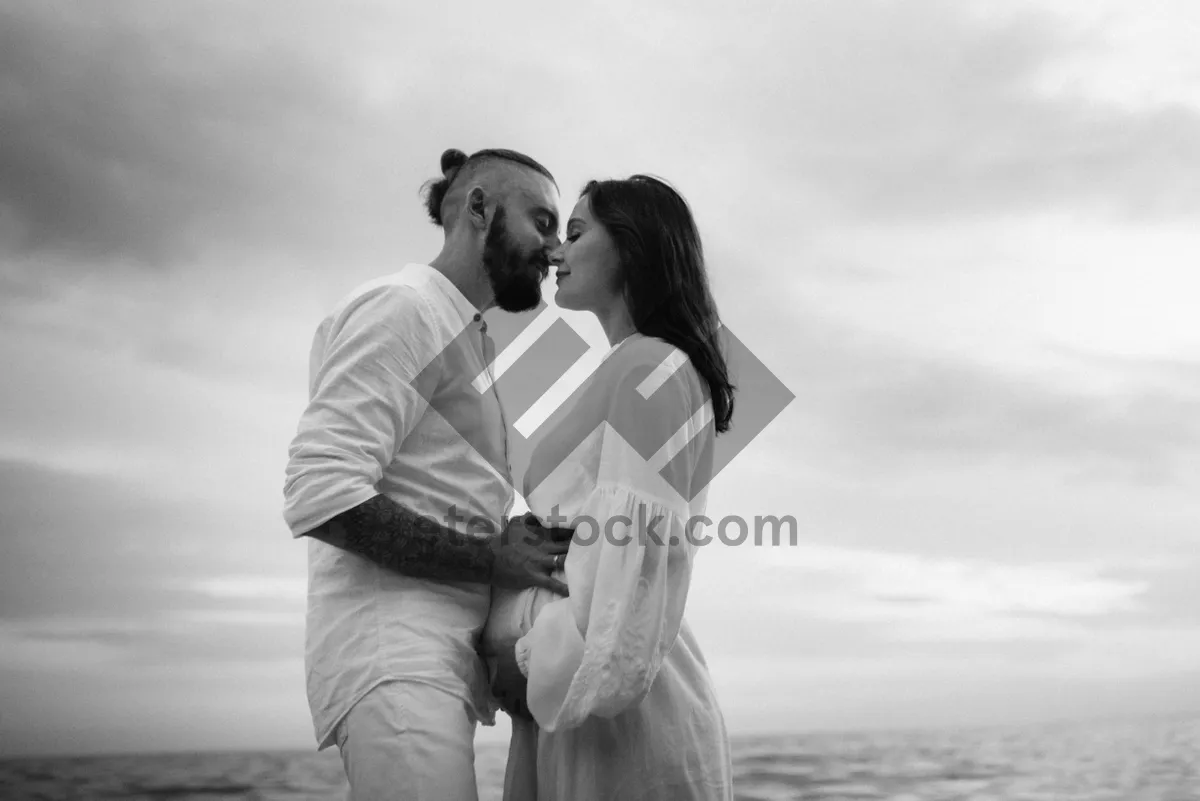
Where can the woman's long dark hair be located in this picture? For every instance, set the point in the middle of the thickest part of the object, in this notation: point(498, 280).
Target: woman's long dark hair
point(662, 270)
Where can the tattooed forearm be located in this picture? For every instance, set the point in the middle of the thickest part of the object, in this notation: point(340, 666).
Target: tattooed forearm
point(402, 540)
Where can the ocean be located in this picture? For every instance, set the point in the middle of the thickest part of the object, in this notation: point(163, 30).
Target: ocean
point(1155, 760)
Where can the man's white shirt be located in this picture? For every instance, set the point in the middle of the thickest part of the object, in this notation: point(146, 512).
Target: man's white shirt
point(393, 410)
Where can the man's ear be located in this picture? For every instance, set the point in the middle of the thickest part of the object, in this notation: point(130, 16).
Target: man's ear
point(477, 207)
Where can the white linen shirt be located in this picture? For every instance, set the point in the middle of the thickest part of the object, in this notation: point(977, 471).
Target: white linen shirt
point(393, 411)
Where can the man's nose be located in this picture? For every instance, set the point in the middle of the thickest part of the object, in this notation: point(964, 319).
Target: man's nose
point(556, 255)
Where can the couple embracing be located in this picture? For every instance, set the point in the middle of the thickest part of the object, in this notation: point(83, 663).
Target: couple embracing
point(428, 607)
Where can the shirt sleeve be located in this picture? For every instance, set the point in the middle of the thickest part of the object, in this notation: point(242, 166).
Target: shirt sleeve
point(599, 655)
point(372, 373)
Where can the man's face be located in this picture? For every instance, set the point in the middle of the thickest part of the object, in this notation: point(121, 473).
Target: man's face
point(523, 233)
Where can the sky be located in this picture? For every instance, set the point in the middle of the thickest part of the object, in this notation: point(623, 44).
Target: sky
point(963, 234)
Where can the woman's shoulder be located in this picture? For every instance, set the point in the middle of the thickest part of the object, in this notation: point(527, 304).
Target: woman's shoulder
point(643, 356)
point(645, 350)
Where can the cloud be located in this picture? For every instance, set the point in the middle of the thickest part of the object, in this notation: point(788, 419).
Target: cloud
point(132, 134)
point(869, 402)
point(812, 694)
point(923, 598)
point(815, 620)
point(215, 323)
point(117, 548)
point(935, 111)
point(139, 707)
point(1173, 597)
point(254, 587)
point(955, 411)
point(150, 639)
point(212, 432)
point(158, 134)
point(1173, 373)
point(79, 542)
point(155, 133)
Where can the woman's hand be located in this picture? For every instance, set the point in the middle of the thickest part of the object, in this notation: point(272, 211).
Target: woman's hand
point(509, 684)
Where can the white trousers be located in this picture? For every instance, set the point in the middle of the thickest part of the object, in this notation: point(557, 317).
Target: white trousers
point(406, 741)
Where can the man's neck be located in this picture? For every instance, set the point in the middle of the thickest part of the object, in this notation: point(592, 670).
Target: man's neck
point(467, 277)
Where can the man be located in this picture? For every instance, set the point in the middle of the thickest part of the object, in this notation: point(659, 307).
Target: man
point(397, 474)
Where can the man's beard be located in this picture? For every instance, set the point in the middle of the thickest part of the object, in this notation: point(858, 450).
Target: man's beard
point(516, 277)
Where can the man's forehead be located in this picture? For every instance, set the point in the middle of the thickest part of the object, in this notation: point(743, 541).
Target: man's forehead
point(538, 189)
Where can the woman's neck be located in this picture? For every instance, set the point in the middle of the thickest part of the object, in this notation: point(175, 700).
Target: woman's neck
point(616, 321)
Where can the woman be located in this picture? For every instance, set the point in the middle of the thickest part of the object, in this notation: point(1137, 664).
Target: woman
point(620, 698)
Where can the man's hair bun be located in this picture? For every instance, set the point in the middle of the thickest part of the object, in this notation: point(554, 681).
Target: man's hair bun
point(435, 190)
point(452, 159)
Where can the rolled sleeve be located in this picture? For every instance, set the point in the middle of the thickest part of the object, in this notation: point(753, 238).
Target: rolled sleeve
point(372, 369)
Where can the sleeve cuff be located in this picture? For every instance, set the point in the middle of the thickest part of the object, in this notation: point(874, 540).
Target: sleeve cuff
point(321, 506)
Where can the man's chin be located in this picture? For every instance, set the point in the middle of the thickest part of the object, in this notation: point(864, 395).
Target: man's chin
point(520, 298)
point(522, 293)
point(515, 306)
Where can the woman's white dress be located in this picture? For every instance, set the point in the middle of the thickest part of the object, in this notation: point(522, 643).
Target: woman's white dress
point(616, 682)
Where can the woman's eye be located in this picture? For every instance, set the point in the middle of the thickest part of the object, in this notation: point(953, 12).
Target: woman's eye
point(572, 237)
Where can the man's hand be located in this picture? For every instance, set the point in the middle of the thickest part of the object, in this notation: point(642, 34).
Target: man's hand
point(397, 538)
point(526, 555)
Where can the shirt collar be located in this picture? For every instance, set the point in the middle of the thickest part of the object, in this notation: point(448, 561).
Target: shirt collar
point(466, 310)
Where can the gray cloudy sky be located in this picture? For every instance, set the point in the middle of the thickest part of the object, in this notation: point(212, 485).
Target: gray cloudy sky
point(962, 233)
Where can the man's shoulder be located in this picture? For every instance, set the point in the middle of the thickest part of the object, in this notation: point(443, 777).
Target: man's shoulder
point(400, 298)
point(403, 287)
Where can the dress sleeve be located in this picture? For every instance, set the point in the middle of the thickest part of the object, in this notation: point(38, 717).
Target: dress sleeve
point(598, 653)
point(366, 393)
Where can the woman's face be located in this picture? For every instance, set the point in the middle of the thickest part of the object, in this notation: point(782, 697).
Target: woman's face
point(588, 267)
